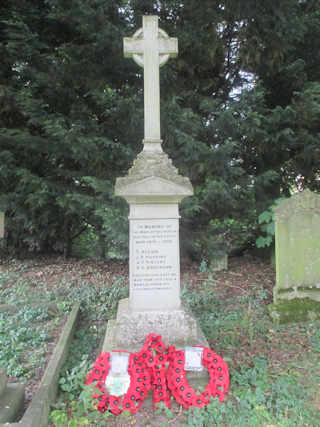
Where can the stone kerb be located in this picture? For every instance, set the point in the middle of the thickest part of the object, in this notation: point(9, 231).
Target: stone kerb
point(1, 225)
point(37, 413)
point(297, 248)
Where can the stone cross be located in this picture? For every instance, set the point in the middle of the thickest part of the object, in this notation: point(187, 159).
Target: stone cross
point(150, 48)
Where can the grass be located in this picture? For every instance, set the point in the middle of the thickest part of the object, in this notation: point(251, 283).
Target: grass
point(275, 369)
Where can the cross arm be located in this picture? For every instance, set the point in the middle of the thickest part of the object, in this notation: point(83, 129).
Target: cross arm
point(132, 46)
point(168, 46)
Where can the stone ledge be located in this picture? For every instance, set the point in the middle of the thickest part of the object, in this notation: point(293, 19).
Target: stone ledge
point(128, 331)
point(294, 310)
point(38, 411)
point(297, 292)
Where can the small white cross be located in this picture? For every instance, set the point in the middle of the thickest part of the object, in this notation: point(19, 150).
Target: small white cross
point(151, 47)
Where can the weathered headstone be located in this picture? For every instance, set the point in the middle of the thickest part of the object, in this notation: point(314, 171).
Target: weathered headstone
point(297, 244)
point(153, 188)
point(219, 261)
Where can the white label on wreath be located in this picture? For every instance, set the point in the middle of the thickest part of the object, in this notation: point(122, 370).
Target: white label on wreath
point(193, 359)
point(117, 385)
point(119, 363)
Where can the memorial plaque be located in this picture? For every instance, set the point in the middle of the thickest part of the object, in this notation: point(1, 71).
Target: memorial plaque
point(118, 380)
point(119, 363)
point(154, 260)
point(193, 359)
point(117, 385)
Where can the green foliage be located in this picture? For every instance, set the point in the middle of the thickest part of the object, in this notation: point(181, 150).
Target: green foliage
point(71, 382)
point(57, 141)
point(280, 403)
point(83, 412)
point(162, 408)
point(266, 226)
point(261, 391)
point(315, 337)
point(23, 339)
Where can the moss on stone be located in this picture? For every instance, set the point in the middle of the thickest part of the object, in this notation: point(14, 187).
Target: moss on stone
point(300, 289)
point(295, 310)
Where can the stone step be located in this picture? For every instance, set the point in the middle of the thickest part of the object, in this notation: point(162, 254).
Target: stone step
point(11, 402)
point(3, 381)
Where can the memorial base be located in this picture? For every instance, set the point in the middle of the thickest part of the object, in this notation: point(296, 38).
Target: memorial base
point(177, 327)
point(130, 328)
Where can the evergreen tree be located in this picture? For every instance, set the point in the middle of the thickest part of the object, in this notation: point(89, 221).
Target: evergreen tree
point(65, 104)
point(239, 113)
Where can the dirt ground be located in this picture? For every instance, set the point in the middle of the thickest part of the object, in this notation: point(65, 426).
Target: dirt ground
point(243, 276)
point(243, 272)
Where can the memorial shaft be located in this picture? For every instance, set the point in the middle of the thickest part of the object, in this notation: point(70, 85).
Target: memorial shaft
point(151, 80)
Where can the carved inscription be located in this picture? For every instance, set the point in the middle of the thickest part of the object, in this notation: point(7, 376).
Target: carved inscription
point(155, 254)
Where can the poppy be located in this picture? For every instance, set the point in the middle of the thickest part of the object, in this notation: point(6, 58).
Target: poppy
point(198, 401)
point(129, 405)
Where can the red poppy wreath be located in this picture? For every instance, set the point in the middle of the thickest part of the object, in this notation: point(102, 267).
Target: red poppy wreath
point(181, 390)
point(154, 356)
point(136, 393)
point(146, 370)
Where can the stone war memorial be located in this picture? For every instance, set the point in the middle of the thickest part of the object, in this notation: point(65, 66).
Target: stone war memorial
point(297, 238)
point(153, 189)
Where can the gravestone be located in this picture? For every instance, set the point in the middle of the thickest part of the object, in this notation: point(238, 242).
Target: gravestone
point(297, 252)
point(219, 261)
point(153, 188)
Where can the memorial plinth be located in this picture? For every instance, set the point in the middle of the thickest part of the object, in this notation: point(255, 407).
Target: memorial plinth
point(153, 188)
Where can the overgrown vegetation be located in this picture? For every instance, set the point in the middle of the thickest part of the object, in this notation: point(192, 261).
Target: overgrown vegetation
point(25, 329)
point(274, 369)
